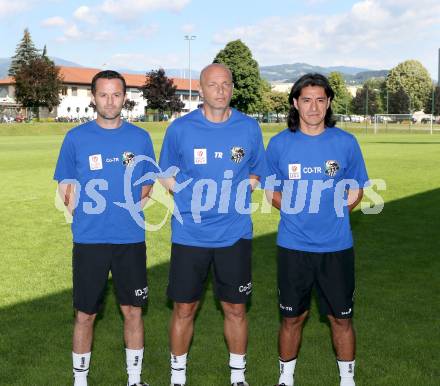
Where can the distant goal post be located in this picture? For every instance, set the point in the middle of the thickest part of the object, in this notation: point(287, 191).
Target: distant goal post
point(404, 122)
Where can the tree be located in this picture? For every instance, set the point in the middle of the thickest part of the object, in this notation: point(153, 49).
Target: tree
point(160, 93)
point(38, 84)
point(436, 94)
point(399, 102)
point(129, 106)
point(342, 100)
point(280, 103)
point(238, 58)
point(264, 105)
point(415, 81)
point(366, 101)
point(24, 53)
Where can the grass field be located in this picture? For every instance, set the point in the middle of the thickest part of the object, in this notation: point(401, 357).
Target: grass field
point(397, 294)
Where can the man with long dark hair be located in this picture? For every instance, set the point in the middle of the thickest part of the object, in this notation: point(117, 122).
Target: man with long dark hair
point(321, 173)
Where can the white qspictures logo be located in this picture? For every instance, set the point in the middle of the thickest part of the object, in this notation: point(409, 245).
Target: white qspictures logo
point(95, 162)
point(294, 171)
point(200, 157)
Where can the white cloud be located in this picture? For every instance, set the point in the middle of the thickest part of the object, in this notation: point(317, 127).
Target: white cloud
point(56, 21)
point(8, 7)
point(372, 33)
point(85, 14)
point(71, 32)
point(132, 9)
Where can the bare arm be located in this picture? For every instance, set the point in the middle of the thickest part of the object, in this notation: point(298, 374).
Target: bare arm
point(254, 181)
point(274, 198)
point(147, 191)
point(67, 194)
point(354, 198)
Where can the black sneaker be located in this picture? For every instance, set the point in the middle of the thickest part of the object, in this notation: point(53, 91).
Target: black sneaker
point(139, 384)
point(240, 384)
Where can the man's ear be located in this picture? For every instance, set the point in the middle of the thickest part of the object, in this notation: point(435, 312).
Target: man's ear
point(295, 103)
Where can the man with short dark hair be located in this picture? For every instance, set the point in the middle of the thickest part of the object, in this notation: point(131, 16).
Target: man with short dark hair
point(319, 178)
point(219, 154)
point(98, 165)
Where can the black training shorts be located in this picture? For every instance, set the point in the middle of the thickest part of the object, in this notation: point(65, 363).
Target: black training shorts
point(231, 268)
point(91, 265)
point(332, 274)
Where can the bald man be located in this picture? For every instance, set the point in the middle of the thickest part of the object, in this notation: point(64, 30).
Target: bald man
point(219, 154)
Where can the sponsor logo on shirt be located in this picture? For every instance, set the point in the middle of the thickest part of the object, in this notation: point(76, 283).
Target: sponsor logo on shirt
point(95, 162)
point(331, 168)
point(294, 171)
point(218, 154)
point(128, 158)
point(200, 157)
point(237, 154)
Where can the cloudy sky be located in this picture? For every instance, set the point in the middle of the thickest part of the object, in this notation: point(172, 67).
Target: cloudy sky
point(147, 34)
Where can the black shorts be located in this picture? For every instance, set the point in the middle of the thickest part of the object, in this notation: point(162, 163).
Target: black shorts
point(331, 273)
point(91, 264)
point(231, 268)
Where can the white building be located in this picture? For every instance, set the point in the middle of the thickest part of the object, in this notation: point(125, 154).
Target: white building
point(76, 93)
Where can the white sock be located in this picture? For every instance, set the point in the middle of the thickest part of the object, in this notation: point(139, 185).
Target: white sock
point(287, 370)
point(178, 369)
point(81, 364)
point(346, 372)
point(134, 365)
point(237, 364)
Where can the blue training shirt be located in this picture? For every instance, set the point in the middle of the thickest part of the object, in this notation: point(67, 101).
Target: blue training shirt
point(97, 160)
point(212, 195)
point(315, 172)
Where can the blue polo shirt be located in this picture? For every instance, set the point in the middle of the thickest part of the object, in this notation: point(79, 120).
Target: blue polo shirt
point(314, 174)
point(214, 162)
point(105, 166)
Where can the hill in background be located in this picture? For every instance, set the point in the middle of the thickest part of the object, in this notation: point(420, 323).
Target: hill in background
point(288, 73)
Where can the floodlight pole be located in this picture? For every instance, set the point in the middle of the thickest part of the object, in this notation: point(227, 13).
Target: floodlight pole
point(366, 111)
point(189, 38)
point(387, 101)
point(432, 106)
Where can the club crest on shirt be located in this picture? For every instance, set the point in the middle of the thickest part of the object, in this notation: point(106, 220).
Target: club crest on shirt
point(95, 162)
point(200, 157)
point(331, 168)
point(127, 158)
point(294, 171)
point(237, 154)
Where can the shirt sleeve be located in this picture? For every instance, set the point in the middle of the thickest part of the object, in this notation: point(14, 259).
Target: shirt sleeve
point(150, 166)
point(169, 155)
point(356, 169)
point(66, 164)
point(257, 164)
point(273, 170)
